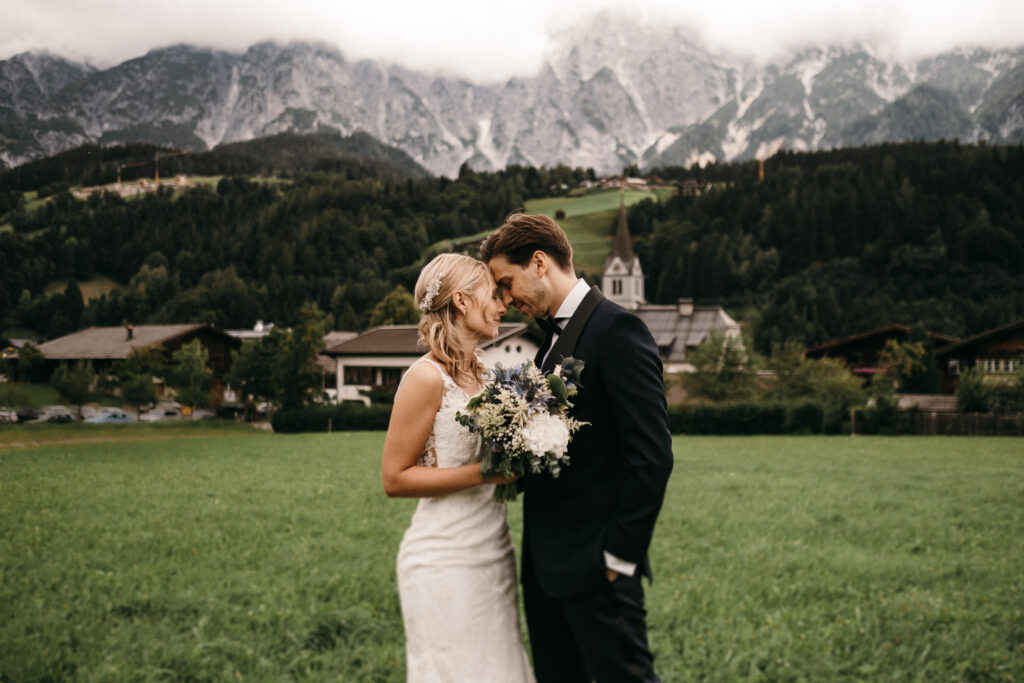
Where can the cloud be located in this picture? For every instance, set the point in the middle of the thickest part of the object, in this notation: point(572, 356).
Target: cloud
point(488, 42)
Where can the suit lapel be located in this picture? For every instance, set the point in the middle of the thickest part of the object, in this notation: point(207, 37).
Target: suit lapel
point(566, 342)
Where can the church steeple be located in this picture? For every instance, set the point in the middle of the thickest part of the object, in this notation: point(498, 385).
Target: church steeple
point(623, 280)
point(623, 246)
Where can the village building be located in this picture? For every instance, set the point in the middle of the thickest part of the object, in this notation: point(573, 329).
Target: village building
point(376, 360)
point(861, 351)
point(999, 353)
point(103, 346)
point(677, 328)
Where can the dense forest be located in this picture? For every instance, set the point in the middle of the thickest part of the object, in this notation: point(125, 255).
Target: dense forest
point(249, 248)
point(834, 243)
point(827, 244)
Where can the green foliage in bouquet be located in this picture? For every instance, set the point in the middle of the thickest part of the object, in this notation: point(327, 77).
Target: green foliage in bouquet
point(522, 417)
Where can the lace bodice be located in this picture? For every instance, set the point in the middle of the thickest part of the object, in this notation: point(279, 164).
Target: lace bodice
point(449, 444)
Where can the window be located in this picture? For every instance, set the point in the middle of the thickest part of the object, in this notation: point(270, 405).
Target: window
point(998, 365)
point(358, 375)
point(390, 377)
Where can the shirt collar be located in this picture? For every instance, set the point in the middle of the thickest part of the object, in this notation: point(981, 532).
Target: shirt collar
point(572, 300)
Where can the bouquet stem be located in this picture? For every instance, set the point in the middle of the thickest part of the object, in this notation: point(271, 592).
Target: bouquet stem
point(505, 493)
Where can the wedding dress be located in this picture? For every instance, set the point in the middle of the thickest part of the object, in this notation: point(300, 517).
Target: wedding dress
point(456, 570)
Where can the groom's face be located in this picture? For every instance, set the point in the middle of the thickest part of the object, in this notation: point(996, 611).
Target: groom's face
point(521, 286)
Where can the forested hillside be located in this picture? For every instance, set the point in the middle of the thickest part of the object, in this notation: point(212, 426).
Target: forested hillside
point(355, 156)
point(833, 243)
point(828, 244)
point(244, 249)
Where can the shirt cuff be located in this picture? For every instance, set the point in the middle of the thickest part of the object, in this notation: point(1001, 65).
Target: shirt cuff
point(618, 564)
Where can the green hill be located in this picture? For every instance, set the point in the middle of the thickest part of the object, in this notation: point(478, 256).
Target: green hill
point(590, 221)
point(355, 156)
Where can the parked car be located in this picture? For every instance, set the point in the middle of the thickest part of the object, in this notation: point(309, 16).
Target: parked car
point(165, 410)
point(109, 415)
point(53, 414)
point(8, 415)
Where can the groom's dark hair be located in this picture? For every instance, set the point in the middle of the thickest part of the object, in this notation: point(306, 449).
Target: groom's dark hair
point(523, 234)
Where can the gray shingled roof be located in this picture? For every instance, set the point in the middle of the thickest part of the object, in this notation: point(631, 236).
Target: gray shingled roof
point(675, 333)
point(401, 340)
point(111, 342)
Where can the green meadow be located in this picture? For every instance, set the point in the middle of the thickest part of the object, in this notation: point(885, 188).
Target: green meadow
point(590, 221)
point(206, 554)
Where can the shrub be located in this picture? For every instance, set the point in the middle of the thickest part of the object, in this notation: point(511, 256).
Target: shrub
point(973, 395)
point(806, 417)
point(885, 418)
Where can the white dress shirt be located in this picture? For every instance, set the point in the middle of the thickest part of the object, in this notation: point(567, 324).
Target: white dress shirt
point(568, 308)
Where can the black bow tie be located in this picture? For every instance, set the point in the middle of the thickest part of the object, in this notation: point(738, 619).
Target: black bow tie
point(548, 324)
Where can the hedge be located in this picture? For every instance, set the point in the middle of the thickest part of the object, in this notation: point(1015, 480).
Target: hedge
point(338, 418)
point(796, 417)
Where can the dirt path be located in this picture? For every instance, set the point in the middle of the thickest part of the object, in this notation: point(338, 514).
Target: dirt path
point(97, 439)
point(74, 440)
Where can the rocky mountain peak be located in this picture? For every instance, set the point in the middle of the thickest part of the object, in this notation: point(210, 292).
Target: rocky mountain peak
point(615, 90)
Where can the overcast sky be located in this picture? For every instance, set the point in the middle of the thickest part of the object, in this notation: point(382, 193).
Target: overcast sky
point(486, 40)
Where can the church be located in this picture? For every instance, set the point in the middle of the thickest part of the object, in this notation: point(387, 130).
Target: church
point(676, 327)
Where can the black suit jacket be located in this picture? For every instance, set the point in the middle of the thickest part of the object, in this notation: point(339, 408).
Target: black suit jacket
point(609, 496)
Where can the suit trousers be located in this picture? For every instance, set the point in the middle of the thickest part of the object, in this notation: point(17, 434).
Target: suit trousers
point(599, 635)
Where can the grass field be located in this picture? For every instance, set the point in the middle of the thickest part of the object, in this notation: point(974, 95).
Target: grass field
point(589, 222)
point(265, 557)
point(92, 288)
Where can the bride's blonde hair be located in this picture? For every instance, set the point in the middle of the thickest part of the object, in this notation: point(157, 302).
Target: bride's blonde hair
point(437, 284)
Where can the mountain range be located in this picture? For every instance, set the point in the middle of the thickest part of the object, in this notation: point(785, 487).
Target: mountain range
point(613, 92)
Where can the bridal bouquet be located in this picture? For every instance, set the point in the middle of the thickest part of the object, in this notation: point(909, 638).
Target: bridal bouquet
point(522, 417)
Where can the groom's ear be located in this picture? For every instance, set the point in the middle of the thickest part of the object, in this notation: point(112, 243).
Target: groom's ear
point(539, 263)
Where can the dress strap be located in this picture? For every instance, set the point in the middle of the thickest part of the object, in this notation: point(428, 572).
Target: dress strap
point(446, 379)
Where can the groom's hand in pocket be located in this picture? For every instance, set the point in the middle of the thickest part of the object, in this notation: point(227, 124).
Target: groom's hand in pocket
point(611, 574)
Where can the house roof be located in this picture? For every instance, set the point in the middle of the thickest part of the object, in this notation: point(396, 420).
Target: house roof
point(983, 337)
point(403, 340)
point(885, 330)
point(335, 337)
point(114, 342)
point(674, 332)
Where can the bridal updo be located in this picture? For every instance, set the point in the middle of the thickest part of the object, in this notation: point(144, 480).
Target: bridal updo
point(438, 282)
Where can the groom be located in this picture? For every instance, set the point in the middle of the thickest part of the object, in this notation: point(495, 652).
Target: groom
point(586, 533)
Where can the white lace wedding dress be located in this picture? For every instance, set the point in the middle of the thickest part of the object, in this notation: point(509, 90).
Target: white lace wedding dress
point(456, 571)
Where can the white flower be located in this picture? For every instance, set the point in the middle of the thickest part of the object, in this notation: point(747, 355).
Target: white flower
point(545, 433)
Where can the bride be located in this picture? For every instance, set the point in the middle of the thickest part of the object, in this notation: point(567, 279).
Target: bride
point(456, 564)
